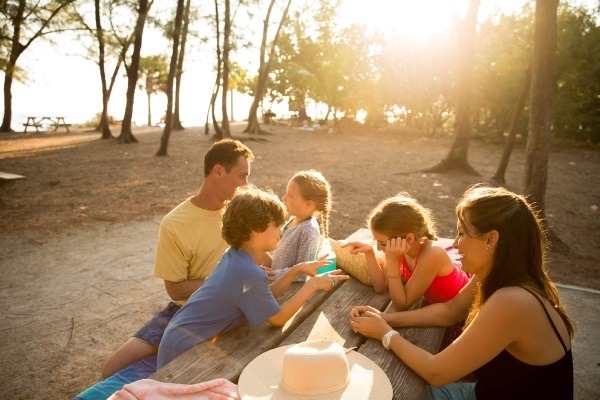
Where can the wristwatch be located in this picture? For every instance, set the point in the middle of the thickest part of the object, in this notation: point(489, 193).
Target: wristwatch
point(385, 340)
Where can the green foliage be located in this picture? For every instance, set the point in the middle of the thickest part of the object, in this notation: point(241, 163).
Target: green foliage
point(503, 53)
point(153, 74)
point(577, 103)
point(322, 61)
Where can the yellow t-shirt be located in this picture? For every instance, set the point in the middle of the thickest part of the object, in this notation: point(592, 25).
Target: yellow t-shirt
point(189, 243)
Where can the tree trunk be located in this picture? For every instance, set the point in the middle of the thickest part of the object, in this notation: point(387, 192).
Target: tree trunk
point(149, 94)
point(225, 80)
point(186, 22)
point(164, 140)
point(510, 140)
point(126, 135)
point(15, 52)
point(213, 100)
point(543, 81)
point(208, 110)
point(104, 122)
point(264, 68)
point(457, 157)
point(231, 104)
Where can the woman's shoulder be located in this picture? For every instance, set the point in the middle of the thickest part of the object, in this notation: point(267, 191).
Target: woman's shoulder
point(514, 296)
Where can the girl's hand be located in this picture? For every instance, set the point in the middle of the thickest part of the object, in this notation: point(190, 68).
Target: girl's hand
point(310, 267)
point(327, 281)
point(358, 247)
point(370, 324)
point(396, 247)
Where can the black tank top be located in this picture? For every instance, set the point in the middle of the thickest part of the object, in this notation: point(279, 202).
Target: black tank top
point(506, 377)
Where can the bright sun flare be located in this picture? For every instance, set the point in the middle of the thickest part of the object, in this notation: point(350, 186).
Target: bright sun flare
point(416, 18)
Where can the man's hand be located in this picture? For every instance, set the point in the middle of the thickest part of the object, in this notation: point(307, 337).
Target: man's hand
point(271, 274)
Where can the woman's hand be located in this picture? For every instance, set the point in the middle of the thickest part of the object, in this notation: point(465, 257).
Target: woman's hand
point(359, 311)
point(327, 281)
point(369, 322)
point(358, 247)
point(395, 248)
point(310, 267)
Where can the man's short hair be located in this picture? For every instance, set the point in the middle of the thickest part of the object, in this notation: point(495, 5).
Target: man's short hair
point(226, 153)
point(250, 210)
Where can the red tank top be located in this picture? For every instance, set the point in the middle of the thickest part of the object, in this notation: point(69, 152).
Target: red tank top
point(442, 288)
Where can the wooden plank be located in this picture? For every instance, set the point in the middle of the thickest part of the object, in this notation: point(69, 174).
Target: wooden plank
point(227, 354)
point(407, 384)
point(331, 320)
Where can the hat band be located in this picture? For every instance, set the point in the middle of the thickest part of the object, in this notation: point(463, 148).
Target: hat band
point(317, 391)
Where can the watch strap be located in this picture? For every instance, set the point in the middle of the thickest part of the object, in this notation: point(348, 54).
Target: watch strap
point(385, 340)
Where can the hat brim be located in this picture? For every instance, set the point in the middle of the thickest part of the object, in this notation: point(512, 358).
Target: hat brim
point(261, 379)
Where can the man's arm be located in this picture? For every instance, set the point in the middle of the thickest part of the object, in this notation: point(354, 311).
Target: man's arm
point(182, 290)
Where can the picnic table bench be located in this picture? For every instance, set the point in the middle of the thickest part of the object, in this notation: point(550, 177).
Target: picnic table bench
point(324, 316)
point(39, 122)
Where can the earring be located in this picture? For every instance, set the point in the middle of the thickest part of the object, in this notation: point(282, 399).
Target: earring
point(487, 247)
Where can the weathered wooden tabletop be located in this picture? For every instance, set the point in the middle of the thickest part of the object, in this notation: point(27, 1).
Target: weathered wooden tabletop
point(324, 316)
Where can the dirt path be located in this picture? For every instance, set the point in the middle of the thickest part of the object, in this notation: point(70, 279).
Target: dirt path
point(77, 236)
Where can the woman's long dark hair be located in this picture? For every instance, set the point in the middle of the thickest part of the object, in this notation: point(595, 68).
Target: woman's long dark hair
point(520, 256)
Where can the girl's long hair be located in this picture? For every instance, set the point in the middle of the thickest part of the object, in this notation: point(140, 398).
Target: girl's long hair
point(400, 215)
point(313, 186)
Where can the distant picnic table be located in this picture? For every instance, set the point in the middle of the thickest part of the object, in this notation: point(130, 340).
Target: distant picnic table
point(46, 121)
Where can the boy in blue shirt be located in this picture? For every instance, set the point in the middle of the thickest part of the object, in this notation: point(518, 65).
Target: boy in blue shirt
point(238, 290)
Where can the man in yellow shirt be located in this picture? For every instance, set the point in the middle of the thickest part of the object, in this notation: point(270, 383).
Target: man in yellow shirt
point(189, 245)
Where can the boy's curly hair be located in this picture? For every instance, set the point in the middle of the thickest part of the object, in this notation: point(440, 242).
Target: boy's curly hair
point(250, 210)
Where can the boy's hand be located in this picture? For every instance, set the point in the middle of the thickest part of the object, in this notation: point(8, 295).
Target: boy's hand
point(358, 247)
point(310, 267)
point(327, 280)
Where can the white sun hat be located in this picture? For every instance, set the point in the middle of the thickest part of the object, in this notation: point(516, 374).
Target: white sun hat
point(319, 369)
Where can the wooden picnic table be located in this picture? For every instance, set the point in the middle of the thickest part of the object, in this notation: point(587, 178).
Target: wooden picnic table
point(38, 122)
point(324, 316)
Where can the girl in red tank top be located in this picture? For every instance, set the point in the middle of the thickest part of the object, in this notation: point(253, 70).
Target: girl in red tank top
point(416, 264)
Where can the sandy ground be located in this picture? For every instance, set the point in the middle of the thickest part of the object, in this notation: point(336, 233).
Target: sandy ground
point(77, 236)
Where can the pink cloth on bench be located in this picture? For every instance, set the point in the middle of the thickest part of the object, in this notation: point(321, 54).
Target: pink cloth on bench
point(217, 389)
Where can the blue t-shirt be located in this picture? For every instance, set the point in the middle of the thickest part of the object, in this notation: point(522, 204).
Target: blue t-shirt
point(237, 291)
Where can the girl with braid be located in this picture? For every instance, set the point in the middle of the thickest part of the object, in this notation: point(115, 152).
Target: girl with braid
point(415, 263)
point(307, 195)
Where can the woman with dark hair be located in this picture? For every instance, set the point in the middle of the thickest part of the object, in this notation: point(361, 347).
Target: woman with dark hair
point(517, 336)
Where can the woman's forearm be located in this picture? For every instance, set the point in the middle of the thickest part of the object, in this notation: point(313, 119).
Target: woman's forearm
point(438, 314)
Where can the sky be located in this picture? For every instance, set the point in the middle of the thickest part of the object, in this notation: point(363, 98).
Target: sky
point(62, 84)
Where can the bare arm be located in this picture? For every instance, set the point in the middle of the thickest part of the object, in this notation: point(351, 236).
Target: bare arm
point(431, 263)
point(377, 274)
point(439, 314)
point(498, 325)
point(292, 305)
point(309, 268)
point(182, 290)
